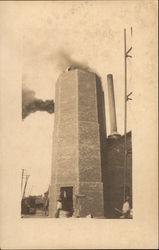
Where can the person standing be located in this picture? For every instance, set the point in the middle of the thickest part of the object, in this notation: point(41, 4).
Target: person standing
point(126, 209)
point(58, 208)
point(46, 207)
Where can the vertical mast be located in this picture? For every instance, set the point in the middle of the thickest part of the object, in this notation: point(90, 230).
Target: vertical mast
point(126, 98)
point(125, 114)
point(26, 181)
point(22, 179)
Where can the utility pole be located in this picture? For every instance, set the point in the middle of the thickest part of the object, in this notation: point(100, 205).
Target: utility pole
point(26, 181)
point(126, 98)
point(23, 174)
point(22, 179)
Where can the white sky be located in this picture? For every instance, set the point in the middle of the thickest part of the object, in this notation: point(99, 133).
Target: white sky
point(90, 33)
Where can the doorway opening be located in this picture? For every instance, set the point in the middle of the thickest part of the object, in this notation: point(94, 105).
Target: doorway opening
point(66, 194)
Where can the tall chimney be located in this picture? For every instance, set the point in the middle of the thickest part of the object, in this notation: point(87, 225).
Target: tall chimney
point(112, 110)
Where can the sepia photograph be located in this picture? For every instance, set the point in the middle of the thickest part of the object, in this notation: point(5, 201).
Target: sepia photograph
point(78, 124)
point(89, 170)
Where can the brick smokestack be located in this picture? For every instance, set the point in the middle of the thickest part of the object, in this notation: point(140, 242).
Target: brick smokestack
point(76, 165)
point(112, 110)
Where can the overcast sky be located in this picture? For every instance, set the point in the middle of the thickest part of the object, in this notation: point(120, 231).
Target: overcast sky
point(90, 32)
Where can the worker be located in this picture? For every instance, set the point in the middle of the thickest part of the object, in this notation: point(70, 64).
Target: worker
point(59, 207)
point(89, 216)
point(46, 207)
point(126, 209)
point(69, 68)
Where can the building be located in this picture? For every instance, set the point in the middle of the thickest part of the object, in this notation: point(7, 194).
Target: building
point(81, 169)
point(113, 177)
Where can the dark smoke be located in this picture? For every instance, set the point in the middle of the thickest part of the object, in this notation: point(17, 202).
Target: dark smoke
point(63, 59)
point(31, 104)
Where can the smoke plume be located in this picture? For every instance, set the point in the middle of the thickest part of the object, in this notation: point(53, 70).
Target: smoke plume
point(31, 104)
point(63, 59)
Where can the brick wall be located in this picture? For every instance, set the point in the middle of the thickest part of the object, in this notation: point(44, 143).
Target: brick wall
point(65, 149)
point(82, 156)
point(113, 176)
point(90, 179)
point(77, 144)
